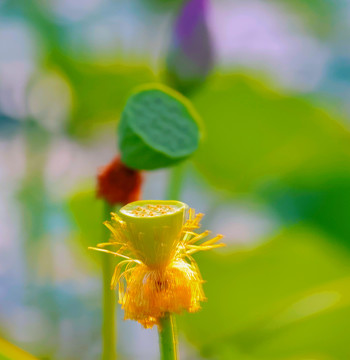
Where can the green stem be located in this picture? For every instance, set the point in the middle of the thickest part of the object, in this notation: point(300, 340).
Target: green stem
point(109, 300)
point(167, 338)
point(175, 182)
point(167, 331)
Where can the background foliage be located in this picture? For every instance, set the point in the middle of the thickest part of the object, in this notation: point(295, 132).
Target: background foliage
point(272, 171)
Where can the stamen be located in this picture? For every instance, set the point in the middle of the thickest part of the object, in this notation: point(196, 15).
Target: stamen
point(198, 237)
point(214, 240)
point(109, 243)
point(196, 248)
point(109, 252)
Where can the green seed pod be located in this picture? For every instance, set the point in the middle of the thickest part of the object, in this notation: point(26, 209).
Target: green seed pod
point(158, 128)
point(153, 229)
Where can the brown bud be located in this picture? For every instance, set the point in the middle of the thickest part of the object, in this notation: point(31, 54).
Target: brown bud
point(118, 184)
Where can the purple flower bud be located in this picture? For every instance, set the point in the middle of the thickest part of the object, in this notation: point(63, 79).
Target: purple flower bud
point(190, 16)
point(190, 56)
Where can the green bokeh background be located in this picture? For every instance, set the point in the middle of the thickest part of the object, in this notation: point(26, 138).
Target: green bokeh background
point(272, 173)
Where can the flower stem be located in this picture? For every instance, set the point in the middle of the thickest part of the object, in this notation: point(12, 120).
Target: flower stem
point(167, 338)
point(175, 182)
point(109, 300)
point(167, 328)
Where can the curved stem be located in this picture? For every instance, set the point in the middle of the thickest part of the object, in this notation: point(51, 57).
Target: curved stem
point(109, 300)
point(167, 338)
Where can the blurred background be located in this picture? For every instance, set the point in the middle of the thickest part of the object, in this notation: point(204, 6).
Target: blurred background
point(271, 81)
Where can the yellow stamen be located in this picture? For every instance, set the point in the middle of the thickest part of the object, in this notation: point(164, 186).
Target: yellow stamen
point(110, 252)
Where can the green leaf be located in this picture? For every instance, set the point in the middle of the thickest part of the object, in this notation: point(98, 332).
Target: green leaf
point(283, 149)
point(321, 199)
point(256, 136)
point(287, 299)
point(9, 351)
point(158, 128)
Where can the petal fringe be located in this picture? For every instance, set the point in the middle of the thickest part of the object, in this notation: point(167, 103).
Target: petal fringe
point(150, 293)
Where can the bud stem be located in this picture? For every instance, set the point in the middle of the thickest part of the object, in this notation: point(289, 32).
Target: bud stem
point(167, 338)
point(109, 300)
point(175, 182)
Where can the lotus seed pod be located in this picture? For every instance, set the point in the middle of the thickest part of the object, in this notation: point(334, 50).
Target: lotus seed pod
point(153, 229)
point(158, 128)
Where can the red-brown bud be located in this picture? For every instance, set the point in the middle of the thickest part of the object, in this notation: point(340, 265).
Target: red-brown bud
point(118, 184)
